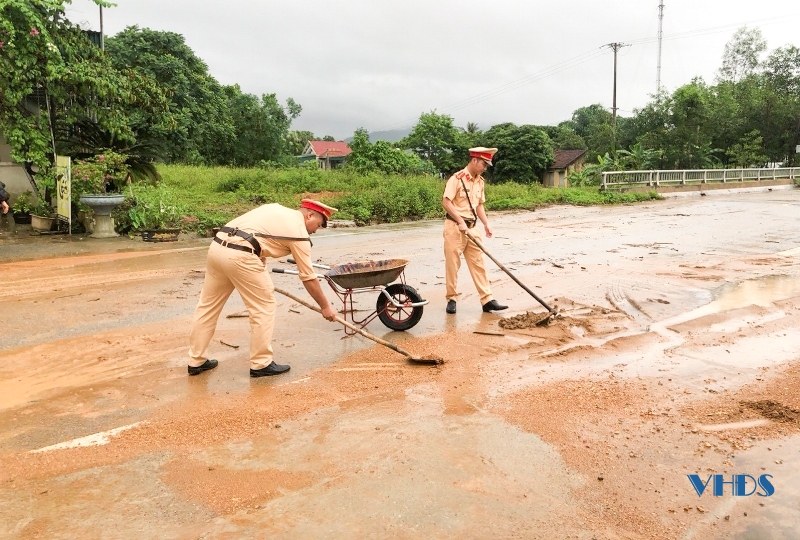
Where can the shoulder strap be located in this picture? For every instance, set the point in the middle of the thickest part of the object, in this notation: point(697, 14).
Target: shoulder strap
point(466, 192)
point(290, 238)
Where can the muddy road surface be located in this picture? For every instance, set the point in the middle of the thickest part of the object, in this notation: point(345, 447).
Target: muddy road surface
point(671, 374)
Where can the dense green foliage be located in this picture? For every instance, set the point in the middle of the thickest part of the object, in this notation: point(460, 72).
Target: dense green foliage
point(436, 139)
point(523, 153)
point(52, 76)
point(383, 157)
point(205, 122)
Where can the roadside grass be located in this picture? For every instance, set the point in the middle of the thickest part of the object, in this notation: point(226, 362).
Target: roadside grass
point(212, 196)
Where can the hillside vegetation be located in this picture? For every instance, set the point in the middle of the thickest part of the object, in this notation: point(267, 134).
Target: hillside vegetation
point(206, 197)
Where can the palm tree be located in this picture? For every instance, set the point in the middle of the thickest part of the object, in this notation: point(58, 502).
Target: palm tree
point(87, 139)
point(638, 158)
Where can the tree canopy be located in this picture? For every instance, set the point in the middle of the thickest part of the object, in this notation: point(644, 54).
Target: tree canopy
point(52, 76)
point(434, 138)
point(147, 90)
point(523, 152)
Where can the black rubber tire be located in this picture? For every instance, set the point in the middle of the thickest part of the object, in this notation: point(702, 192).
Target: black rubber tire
point(399, 318)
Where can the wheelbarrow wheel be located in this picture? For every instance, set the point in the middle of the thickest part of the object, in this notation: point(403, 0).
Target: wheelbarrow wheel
point(399, 318)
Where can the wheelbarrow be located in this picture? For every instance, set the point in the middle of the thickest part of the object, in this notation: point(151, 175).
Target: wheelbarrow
point(398, 306)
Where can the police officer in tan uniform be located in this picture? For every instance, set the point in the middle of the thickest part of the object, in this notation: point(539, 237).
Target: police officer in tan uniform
point(463, 201)
point(237, 260)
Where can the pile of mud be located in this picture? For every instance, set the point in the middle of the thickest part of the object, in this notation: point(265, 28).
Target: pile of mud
point(773, 410)
point(528, 319)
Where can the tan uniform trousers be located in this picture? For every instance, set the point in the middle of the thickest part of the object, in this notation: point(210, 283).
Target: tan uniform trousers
point(227, 269)
point(456, 243)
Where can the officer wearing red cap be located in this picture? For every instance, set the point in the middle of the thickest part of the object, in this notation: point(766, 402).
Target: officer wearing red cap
point(463, 201)
point(237, 260)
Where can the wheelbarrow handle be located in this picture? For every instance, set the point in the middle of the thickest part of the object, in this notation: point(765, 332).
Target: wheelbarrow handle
point(507, 271)
point(293, 272)
point(315, 265)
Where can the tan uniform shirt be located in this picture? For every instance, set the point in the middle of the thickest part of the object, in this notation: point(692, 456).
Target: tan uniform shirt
point(277, 220)
point(454, 190)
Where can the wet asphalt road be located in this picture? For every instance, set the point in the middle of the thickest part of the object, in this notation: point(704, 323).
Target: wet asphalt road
point(655, 262)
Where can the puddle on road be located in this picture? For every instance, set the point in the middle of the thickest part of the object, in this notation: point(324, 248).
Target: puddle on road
point(759, 292)
point(668, 356)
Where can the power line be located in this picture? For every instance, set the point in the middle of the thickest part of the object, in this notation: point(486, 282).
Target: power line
point(510, 86)
point(573, 62)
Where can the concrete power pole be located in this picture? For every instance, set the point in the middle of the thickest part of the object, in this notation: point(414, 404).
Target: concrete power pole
point(615, 47)
point(660, 34)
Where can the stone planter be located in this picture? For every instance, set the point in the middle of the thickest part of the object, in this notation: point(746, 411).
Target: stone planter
point(41, 224)
point(102, 204)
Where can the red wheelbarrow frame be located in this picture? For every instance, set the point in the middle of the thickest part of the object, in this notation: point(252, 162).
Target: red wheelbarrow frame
point(394, 299)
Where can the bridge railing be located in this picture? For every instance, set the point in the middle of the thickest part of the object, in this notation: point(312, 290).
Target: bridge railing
point(654, 178)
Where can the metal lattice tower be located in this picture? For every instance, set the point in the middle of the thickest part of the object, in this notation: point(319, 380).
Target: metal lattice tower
point(660, 33)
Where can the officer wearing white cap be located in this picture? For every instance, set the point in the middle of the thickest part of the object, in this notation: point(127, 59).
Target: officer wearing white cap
point(463, 201)
point(237, 260)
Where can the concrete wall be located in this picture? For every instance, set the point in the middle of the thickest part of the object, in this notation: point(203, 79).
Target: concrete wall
point(13, 175)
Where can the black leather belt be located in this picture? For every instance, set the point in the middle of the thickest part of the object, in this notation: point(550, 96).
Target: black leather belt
point(225, 243)
point(241, 234)
point(470, 222)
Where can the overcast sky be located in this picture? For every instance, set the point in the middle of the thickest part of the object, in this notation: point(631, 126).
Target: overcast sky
point(379, 64)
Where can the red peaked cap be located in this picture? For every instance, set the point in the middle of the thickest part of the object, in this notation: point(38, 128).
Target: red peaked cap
point(486, 154)
point(324, 209)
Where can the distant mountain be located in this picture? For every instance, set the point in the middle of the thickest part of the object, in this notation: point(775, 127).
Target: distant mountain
point(392, 135)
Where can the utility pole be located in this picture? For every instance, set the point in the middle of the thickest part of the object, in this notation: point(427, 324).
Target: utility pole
point(615, 47)
point(660, 34)
point(102, 40)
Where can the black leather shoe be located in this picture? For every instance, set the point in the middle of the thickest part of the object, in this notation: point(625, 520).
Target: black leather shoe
point(492, 305)
point(451, 306)
point(271, 369)
point(208, 364)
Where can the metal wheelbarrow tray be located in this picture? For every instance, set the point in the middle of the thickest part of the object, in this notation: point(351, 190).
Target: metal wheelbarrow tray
point(366, 274)
point(398, 306)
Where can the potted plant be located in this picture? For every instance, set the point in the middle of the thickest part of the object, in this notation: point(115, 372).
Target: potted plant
point(98, 183)
point(42, 216)
point(21, 208)
point(156, 215)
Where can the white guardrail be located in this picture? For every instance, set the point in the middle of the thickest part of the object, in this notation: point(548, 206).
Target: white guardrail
point(697, 176)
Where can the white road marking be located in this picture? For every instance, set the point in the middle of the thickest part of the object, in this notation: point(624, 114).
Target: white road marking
point(96, 439)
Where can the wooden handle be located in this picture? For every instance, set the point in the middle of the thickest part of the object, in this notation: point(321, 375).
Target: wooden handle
point(347, 324)
point(507, 271)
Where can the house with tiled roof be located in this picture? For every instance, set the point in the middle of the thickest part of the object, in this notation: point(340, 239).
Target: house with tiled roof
point(565, 162)
point(329, 154)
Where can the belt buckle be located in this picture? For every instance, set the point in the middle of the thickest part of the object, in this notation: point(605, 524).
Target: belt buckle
point(233, 232)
